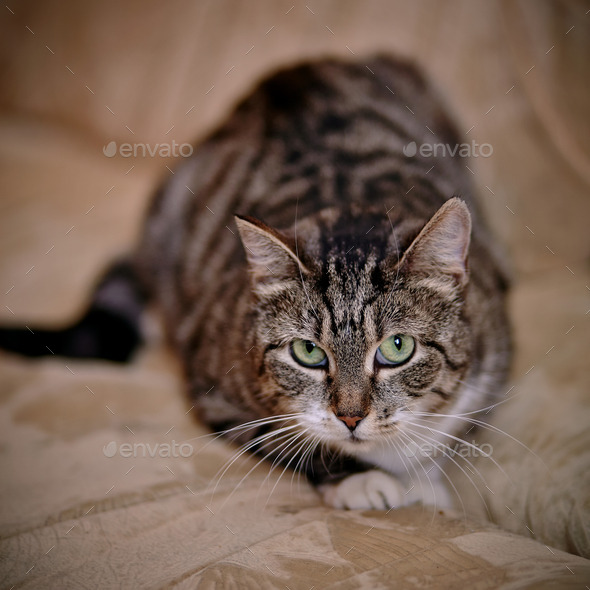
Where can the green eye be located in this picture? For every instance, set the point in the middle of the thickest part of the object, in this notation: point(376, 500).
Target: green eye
point(308, 354)
point(395, 350)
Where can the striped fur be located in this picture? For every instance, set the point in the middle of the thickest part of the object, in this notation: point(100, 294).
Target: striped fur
point(315, 152)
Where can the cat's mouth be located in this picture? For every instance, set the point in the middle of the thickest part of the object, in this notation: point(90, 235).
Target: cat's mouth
point(356, 440)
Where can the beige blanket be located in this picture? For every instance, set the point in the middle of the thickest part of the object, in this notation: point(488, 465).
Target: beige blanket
point(107, 479)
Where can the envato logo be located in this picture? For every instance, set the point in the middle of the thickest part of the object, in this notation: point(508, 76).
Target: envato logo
point(147, 150)
point(135, 450)
point(464, 449)
point(446, 150)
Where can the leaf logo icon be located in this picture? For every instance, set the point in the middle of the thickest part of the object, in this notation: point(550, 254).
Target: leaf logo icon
point(110, 449)
point(110, 149)
point(410, 150)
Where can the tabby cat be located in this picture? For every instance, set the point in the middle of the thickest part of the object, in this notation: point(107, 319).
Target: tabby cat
point(354, 305)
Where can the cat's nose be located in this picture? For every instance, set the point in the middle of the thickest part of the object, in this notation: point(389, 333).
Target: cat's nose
point(350, 421)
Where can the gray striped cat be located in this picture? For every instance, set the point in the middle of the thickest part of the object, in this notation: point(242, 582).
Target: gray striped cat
point(354, 305)
point(354, 309)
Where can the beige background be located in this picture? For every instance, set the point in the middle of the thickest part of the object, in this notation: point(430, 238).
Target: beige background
point(75, 76)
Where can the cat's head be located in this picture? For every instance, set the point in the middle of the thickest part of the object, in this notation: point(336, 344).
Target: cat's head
point(352, 333)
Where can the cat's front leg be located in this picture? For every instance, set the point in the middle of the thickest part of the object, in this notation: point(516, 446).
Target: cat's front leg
point(380, 490)
point(348, 483)
point(373, 489)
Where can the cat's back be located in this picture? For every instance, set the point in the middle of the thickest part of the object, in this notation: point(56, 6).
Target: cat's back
point(320, 135)
point(335, 132)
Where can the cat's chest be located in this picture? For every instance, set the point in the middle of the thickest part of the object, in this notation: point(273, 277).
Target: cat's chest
point(388, 458)
point(418, 451)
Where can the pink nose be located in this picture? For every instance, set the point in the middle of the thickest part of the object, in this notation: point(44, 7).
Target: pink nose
point(350, 421)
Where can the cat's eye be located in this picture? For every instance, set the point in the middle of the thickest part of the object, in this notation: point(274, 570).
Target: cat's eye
point(396, 350)
point(308, 354)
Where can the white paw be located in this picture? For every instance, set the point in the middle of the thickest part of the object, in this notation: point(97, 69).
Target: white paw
point(364, 491)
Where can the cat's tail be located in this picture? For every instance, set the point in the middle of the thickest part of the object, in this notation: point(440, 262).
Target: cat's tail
point(110, 329)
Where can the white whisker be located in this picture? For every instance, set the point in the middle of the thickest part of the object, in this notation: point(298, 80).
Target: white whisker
point(394, 444)
point(260, 422)
point(490, 427)
point(281, 433)
point(430, 440)
point(300, 445)
point(446, 477)
point(288, 439)
point(462, 441)
point(306, 455)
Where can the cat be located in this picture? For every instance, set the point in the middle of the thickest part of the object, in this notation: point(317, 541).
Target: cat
point(333, 301)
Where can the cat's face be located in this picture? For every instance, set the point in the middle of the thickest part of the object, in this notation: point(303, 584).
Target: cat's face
point(354, 341)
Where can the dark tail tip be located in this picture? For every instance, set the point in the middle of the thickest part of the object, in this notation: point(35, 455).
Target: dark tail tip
point(109, 330)
point(99, 334)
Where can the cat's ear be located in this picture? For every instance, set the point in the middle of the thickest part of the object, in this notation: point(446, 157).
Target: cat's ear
point(441, 248)
point(272, 257)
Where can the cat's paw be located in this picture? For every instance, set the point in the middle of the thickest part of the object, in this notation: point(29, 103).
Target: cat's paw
point(364, 491)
